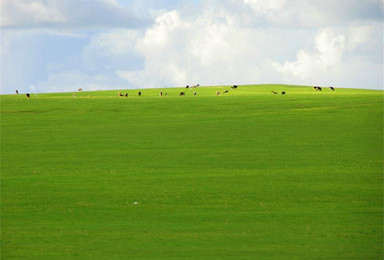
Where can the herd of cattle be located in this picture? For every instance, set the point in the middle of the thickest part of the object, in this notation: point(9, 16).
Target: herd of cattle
point(182, 93)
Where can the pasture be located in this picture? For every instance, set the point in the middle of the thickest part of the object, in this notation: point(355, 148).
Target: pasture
point(245, 175)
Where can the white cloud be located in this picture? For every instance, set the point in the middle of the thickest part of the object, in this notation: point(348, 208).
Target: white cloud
point(325, 59)
point(264, 6)
point(74, 14)
point(179, 51)
point(331, 61)
point(216, 49)
point(16, 12)
point(214, 42)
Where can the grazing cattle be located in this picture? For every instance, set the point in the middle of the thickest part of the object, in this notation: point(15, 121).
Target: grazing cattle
point(187, 86)
point(126, 95)
point(274, 92)
point(332, 88)
point(80, 89)
point(160, 93)
point(317, 88)
point(194, 93)
point(17, 92)
point(217, 93)
point(283, 93)
point(139, 93)
point(234, 87)
point(182, 94)
point(225, 91)
point(119, 94)
point(74, 95)
point(28, 96)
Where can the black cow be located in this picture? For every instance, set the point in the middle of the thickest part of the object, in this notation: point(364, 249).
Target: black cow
point(332, 88)
point(317, 88)
point(28, 96)
point(187, 86)
point(17, 92)
point(182, 94)
point(126, 95)
point(139, 93)
point(234, 87)
point(274, 92)
point(225, 91)
point(283, 93)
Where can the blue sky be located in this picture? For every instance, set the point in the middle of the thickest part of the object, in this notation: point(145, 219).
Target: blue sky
point(62, 45)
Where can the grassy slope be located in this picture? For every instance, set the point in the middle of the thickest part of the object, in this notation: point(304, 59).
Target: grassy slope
point(248, 175)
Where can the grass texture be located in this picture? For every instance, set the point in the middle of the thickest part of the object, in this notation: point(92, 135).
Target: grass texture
point(244, 175)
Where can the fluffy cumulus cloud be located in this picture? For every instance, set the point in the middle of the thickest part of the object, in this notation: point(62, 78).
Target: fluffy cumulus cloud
point(218, 47)
point(350, 59)
point(180, 51)
point(209, 42)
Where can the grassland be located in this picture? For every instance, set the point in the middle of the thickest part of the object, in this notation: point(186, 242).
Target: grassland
point(246, 175)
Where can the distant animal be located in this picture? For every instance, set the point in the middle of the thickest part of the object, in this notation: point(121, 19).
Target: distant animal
point(194, 93)
point(217, 93)
point(274, 92)
point(187, 86)
point(283, 93)
point(17, 92)
point(74, 95)
point(126, 95)
point(80, 89)
point(226, 91)
point(28, 96)
point(160, 93)
point(332, 88)
point(139, 93)
point(182, 94)
point(234, 87)
point(317, 88)
point(119, 94)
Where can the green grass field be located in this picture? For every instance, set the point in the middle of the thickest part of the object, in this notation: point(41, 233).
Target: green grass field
point(244, 175)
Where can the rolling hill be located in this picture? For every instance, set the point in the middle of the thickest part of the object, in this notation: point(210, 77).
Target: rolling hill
point(245, 175)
